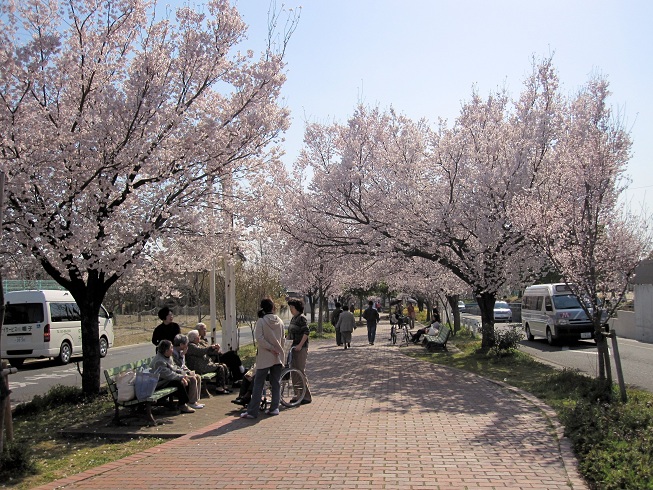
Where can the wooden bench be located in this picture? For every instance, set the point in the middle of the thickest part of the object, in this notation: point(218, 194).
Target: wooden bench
point(439, 341)
point(112, 373)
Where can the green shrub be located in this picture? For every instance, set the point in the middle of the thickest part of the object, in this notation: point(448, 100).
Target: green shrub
point(16, 461)
point(327, 327)
point(506, 341)
point(57, 396)
point(614, 441)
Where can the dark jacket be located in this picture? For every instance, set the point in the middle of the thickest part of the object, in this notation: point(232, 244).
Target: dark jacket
point(371, 315)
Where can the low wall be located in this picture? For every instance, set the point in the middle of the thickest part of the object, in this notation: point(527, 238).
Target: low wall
point(626, 327)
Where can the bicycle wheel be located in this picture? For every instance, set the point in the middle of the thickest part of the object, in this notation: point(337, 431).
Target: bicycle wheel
point(407, 336)
point(293, 387)
point(393, 334)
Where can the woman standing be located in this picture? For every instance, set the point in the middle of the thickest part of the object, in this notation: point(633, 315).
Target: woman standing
point(298, 333)
point(269, 359)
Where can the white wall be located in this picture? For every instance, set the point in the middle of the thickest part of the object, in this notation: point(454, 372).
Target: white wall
point(637, 325)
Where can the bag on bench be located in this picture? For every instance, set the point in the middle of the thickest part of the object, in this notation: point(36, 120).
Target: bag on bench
point(125, 386)
point(145, 383)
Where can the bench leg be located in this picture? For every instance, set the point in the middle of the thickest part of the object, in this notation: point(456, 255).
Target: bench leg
point(116, 417)
point(150, 417)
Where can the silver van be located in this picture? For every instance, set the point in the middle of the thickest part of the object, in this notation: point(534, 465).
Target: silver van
point(554, 312)
point(47, 324)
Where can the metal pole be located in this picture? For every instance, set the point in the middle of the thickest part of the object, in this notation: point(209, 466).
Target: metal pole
point(212, 308)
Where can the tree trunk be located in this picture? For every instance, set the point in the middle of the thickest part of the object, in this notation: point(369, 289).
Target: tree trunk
point(486, 302)
point(453, 302)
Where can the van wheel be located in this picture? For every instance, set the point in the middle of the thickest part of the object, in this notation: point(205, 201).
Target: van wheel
point(65, 353)
point(549, 336)
point(104, 347)
point(529, 335)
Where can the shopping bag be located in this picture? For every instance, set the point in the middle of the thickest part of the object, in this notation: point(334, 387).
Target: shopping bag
point(145, 384)
point(125, 385)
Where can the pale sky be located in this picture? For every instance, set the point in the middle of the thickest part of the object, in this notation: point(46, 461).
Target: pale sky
point(422, 57)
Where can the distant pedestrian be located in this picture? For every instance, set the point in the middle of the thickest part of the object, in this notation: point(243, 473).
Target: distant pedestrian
point(334, 321)
point(372, 317)
point(346, 325)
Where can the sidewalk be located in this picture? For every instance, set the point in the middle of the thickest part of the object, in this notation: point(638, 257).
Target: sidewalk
point(379, 420)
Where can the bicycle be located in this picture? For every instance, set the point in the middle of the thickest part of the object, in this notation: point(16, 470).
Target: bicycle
point(400, 327)
point(293, 383)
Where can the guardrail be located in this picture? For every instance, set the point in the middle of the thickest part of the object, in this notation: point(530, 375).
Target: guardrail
point(473, 324)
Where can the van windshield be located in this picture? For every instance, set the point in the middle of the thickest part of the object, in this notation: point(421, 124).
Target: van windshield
point(566, 302)
point(23, 313)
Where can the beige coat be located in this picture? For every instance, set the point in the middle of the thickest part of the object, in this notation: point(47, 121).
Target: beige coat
point(269, 338)
point(346, 322)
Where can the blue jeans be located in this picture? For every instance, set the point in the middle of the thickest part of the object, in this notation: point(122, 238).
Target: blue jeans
point(257, 389)
point(371, 333)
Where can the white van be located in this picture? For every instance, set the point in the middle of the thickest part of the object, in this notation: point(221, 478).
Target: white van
point(554, 312)
point(47, 323)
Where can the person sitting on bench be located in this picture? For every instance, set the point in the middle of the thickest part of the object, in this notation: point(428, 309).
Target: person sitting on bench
point(431, 330)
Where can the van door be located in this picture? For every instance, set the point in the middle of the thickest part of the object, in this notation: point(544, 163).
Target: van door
point(22, 332)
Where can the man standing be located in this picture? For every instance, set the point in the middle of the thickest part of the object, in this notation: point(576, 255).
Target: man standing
point(372, 317)
point(334, 321)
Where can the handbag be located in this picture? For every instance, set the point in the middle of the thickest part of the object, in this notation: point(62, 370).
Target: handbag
point(125, 385)
point(145, 383)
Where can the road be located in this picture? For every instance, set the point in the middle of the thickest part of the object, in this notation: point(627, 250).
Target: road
point(636, 357)
point(36, 377)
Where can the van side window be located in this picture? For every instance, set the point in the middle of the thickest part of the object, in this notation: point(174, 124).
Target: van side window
point(548, 306)
point(538, 305)
point(65, 312)
point(23, 313)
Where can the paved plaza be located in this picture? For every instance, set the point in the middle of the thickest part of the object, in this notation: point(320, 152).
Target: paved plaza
point(379, 420)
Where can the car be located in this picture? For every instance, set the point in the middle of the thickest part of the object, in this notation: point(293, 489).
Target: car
point(502, 312)
point(461, 306)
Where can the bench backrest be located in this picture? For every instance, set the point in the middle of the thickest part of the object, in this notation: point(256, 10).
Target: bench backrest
point(443, 334)
point(111, 373)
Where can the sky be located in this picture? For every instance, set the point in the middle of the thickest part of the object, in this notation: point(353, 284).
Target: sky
point(424, 57)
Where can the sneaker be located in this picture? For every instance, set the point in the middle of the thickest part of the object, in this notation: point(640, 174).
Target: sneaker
point(245, 415)
point(272, 412)
point(196, 405)
point(186, 409)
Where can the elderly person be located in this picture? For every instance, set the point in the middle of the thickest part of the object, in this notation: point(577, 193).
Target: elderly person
point(197, 359)
point(171, 375)
point(231, 359)
point(346, 325)
point(179, 348)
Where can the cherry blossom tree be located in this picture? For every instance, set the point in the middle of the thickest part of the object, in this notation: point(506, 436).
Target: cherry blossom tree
point(574, 215)
point(385, 185)
point(115, 124)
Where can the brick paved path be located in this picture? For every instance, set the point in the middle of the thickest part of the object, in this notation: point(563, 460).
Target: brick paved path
point(379, 420)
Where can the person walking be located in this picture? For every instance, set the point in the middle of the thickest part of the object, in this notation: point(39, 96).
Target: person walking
point(372, 317)
point(334, 321)
point(346, 325)
point(298, 332)
point(268, 333)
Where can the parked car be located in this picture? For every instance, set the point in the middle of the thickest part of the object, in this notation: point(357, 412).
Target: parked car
point(502, 312)
point(461, 306)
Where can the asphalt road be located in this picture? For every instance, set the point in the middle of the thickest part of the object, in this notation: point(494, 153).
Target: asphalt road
point(37, 376)
point(636, 357)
